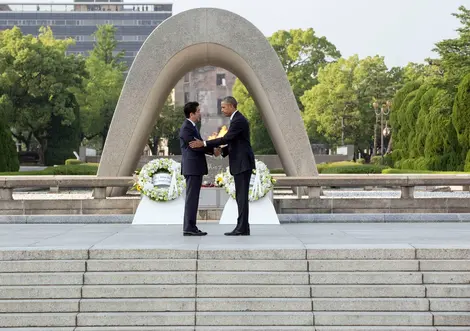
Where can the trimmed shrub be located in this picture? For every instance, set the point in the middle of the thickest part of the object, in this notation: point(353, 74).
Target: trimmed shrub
point(72, 162)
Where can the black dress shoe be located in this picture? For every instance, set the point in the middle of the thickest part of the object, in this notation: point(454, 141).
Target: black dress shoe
point(237, 233)
point(194, 233)
point(204, 233)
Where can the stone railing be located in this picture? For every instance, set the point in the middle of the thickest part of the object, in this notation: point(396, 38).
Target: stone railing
point(308, 197)
point(98, 184)
point(407, 183)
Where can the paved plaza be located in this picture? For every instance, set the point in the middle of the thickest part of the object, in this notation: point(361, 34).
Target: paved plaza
point(284, 236)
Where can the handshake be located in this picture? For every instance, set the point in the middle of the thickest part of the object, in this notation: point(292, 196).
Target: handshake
point(196, 143)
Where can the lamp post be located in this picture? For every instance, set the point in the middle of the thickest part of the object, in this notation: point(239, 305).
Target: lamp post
point(384, 110)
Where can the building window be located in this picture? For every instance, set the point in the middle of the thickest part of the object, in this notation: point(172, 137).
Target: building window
point(186, 78)
point(186, 97)
point(221, 80)
point(219, 106)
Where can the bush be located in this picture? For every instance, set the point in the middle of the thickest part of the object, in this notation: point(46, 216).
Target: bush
point(361, 161)
point(8, 155)
point(356, 169)
point(80, 169)
point(72, 162)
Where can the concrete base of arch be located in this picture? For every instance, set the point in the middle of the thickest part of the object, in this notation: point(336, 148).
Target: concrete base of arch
point(193, 39)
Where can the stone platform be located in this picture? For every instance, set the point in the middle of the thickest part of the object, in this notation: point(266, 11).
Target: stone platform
point(323, 277)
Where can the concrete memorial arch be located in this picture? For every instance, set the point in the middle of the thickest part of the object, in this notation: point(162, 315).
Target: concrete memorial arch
point(192, 39)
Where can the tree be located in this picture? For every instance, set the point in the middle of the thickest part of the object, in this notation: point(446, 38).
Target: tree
point(333, 104)
point(461, 118)
point(105, 47)
point(455, 53)
point(8, 154)
point(168, 125)
point(36, 79)
point(99, 94)
point(340, 106)
point(64, 140)
point(302, 54)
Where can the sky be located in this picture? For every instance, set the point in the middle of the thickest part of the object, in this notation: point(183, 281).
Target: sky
point(400, 30)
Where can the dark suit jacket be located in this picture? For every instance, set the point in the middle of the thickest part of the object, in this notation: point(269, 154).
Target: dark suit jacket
point(193, 161)
point(240, 154)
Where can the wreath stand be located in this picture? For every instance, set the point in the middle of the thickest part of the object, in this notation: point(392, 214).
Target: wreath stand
point(155, 212)
point(259, 212)
point(159, 212)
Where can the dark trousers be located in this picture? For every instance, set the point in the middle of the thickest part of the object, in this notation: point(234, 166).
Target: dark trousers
point(242, 187)
point(193, 189)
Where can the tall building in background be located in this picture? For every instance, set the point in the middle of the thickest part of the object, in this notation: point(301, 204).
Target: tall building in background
point(207, 85)
point(79, 19)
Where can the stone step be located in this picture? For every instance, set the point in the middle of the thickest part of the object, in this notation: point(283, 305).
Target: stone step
point(375, 328)
point(137, 305)
point(255, 328)
point(131, 278)
point(442, 253)
point(446, 277)
point(360, 252)
point(452, 328)
point(139, 291)
point(39, 306)
point(120, 253)
point(37, 320)
point(254, 318)
point(42, 266)
point(260, 304)
point(250, 265)
point(251, 254)
point(451, 305)
point(448, 291)
point(253, 291)
point(368, 291)
point(70, 278)
point(39, 253)
point(373, 319)
point(444, 265)
point(136, 328)
point(369, 305)
point(366, 278)
point(253, 278)
point(363, 265)
point(451, 319)
point(40, 292)
point(136, 319)
point(141, 265)
point(40, 329)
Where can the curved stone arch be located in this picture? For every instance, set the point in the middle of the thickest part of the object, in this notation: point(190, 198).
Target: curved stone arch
point(192, 39)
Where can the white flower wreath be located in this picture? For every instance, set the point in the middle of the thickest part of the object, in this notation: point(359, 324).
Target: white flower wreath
point(261, 182)
point(147, 181)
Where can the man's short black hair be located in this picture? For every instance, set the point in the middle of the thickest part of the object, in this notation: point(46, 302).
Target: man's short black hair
point(190, 108)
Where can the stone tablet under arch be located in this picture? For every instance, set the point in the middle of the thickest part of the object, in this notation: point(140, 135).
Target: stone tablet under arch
point(192, 39)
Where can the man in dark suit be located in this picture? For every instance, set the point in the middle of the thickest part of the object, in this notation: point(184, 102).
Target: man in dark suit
point(193, 167)
point(241, 159)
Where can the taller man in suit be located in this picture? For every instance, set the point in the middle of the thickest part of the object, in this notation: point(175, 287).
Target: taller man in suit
point(193, 167)
point(241, 159)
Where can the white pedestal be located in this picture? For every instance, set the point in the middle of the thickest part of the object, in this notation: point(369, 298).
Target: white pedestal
point(260, 212)
point(154, 212)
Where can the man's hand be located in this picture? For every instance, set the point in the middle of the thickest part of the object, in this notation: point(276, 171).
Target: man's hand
point(217, 151)
point(196, 143)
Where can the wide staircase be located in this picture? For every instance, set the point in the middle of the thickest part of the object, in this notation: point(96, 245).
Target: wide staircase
point(325, 289)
